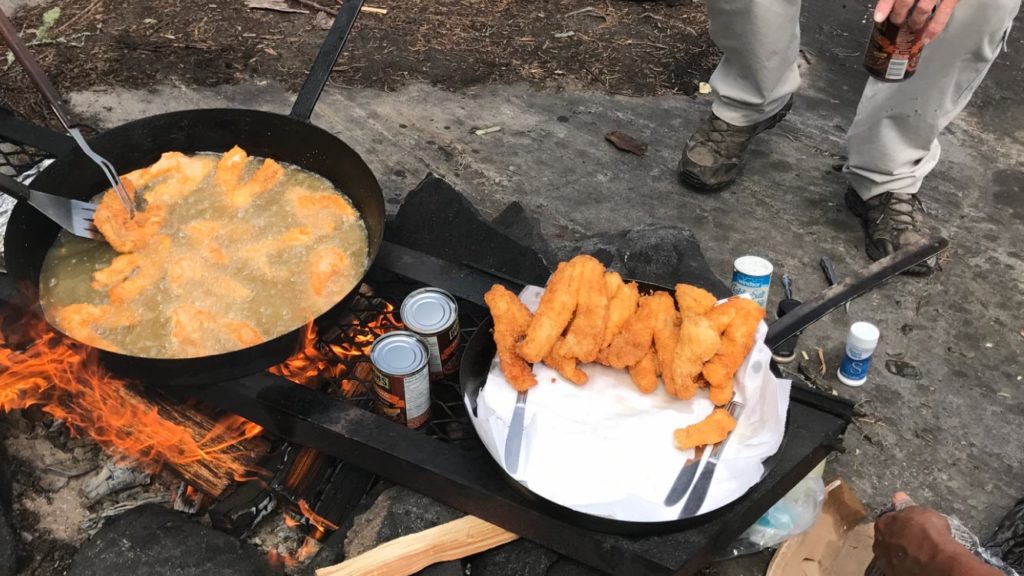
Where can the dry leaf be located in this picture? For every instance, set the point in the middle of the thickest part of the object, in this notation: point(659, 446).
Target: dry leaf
point(626, 143)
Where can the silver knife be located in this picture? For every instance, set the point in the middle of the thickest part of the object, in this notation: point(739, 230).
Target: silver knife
point(832, 277)
point(695, 499)
point(685, 478)
point(514, 440)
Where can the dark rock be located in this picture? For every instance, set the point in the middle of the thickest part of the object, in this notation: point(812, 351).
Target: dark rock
point(397, 512)
point(524, 228)
point(437, 220)
point(151, 539)
point(567, 567)
point(903, 369)
point(664, 255)
point(452, 568)
point(517, 558)
point(8, 540)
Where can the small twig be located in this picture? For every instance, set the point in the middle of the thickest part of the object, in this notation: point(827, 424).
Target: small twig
point(580, 11)
point(822, 368)
point(315, 6)
point(78, 16)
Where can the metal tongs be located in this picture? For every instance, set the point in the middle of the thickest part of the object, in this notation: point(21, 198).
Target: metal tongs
point(24, 57)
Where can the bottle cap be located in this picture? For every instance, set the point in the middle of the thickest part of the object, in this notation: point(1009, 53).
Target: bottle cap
point(863, 335)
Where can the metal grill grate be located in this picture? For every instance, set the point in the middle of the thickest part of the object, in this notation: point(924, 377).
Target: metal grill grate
point(16, 159)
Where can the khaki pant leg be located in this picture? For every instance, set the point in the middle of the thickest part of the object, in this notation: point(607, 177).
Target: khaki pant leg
point(760, 42)
point(892, 144)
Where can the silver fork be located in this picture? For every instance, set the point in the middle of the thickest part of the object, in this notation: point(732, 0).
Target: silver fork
point(74, 216)
point(24, 57)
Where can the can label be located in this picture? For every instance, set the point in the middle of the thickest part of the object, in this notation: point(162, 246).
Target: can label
point(893, 51)
point(756, 287)
point(443, 348)
point(404, 399)
point(855, 365)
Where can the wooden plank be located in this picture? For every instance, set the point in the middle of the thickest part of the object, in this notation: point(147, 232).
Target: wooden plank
point(409, 554)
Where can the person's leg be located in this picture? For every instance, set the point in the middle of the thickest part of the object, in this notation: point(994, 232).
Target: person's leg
point(893, 142)
point(753, 86)
point(760, 44)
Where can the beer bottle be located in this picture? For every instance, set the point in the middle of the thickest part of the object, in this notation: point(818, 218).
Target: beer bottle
point(893, 51)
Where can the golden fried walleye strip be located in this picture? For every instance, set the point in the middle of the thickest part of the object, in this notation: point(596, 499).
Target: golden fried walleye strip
point(666, 336)
point(633, 343)
point(645, 373)
point(698, 342)
point(621, 308)
point(230, 168)
point(565, 365)
point(123, 233)
point(268, 175)
point(511, 319)
point(737, 340)
point(693, 301)
point(711, 430)
point(553, 314)
point(612, 283)
point(583, 339)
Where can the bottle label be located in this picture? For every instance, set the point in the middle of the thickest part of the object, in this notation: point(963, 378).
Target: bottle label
point(855, 368)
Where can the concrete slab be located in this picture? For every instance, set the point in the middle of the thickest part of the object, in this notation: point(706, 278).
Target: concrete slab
point(952, 437)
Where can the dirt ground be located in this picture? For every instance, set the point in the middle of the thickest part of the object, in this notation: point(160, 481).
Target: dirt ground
point(618, 46)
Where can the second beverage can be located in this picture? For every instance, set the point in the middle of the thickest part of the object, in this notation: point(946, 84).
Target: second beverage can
point(433, 315)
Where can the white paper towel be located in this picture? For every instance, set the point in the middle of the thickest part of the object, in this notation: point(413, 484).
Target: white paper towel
point(606, 449)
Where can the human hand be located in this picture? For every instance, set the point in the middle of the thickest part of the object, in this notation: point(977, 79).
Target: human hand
point(899, 11)
point(908, 541)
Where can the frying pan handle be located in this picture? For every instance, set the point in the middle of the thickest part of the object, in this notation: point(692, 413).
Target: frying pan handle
point(814, 309)
point(24, 57)
point(324, 63)
point(14, 188)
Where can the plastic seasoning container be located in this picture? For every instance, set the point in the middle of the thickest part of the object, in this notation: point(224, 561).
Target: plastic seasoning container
point(752, 277)
point(860, 346)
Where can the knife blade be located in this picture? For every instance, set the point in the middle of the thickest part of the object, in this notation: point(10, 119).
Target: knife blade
point(832, 277)
point(699, 492)
point(514, 440)
point(685, 478)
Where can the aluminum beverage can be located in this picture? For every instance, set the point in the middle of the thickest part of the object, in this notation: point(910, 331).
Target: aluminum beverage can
point(752, 277)
point(433, 315)
point(401, 381)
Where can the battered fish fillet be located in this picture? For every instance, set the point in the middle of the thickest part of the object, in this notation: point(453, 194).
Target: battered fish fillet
point(621, 307)
point(185, 176)
point(721, 315)
point(126, 234)
point(321, 210)
point(666, 336)
point(325, 265)
point(583, 339)
point(565, 365)
point(711, 430)
point(268, 175)
point(230, 168)
point(168, 163)
point(633, 343)
point(149, 271)
point(120, 269)
point(645, 373)
point(194, 331)
point(511, 319)
point(693, 301)
point(737, 341)
point(80, 321)
point(612, 283)
point(698, 342)
point(187, 274)
point(553, 314)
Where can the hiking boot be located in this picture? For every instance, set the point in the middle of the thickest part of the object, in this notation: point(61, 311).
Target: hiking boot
point(891, 221)
point(714, 153)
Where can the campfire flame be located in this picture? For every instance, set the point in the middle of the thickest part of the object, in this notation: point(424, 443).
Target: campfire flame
point(44, 367)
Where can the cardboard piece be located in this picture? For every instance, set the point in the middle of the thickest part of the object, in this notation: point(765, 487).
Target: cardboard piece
point(839, 543)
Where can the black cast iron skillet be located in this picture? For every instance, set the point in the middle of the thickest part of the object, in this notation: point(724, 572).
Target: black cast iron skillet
point(140, 143)
point(480, 351)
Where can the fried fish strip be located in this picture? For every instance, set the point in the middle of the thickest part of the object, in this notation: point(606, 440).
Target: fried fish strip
point(268, 174)
point(565, 365)
point(186, 272)
point(511, 319)
point(320, 210)
point(666, 336)
point(123, 233)
point(326, 264)
point(612, 283)
point(553, 314)
point(711, 430)
point(737, 341)
point(186, 176)
point(698, 342)
point(693, 301)
point(621, 308)
point(633, 343)
point(80, 321)
point(645, 373)
point(721, 316)
point(230, 168)
point(195, 331)
point(583, 339)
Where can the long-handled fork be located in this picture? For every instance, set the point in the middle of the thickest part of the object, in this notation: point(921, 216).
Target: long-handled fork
point(24, 57)
point(74, 216)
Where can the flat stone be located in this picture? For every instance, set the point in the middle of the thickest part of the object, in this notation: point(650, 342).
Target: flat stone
point(398, 511)
point(8, 540)
point(151, 539)
point(514, 559)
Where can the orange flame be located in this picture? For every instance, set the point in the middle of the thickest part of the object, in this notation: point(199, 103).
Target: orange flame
point(310, 546)
point(315, 519)
point(44, 367)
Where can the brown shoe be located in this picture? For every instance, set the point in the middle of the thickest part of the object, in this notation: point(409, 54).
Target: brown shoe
point(714, 154)
point(891, 221)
